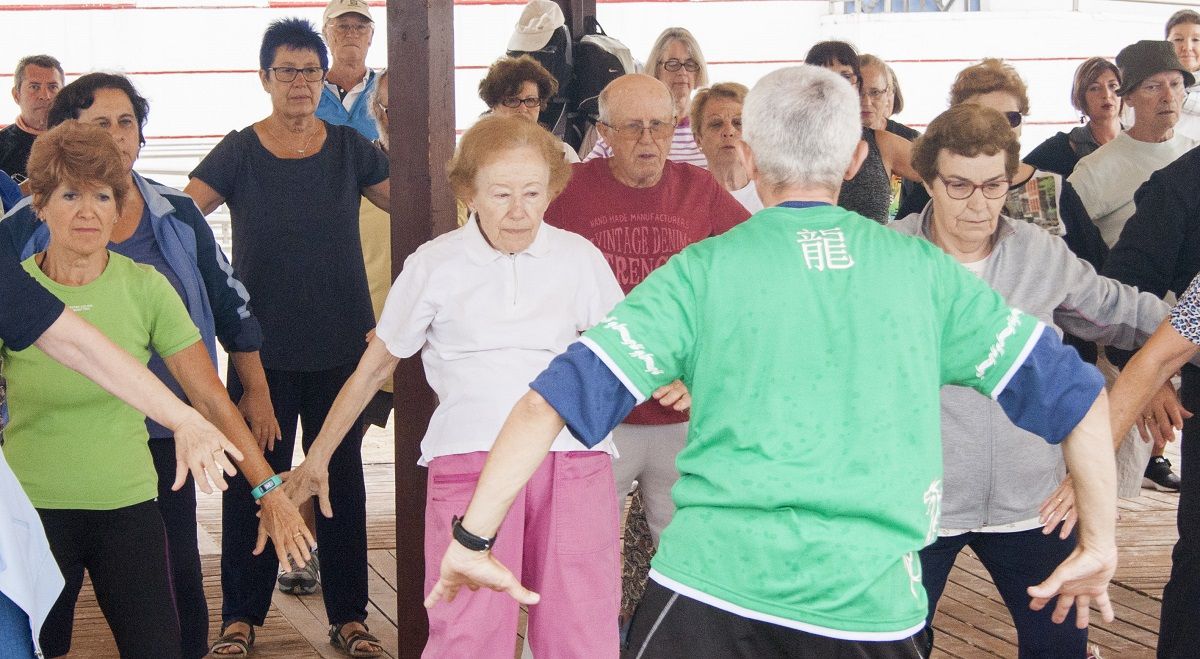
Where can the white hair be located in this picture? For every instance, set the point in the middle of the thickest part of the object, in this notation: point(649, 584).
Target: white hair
point(802, 126)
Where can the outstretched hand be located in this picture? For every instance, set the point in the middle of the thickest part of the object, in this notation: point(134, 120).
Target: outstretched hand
point(475, 569)
point(309, 479)
point(281, 523)
point(1163, 415)
point(201, 449)
point(1080, 581)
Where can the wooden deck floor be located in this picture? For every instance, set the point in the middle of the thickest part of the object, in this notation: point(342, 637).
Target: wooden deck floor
point(971, 622)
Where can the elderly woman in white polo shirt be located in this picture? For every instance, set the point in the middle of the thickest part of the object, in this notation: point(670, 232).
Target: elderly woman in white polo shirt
point(489, 305)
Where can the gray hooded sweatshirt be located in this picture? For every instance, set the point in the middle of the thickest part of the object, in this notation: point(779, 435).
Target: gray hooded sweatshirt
point(996, 473)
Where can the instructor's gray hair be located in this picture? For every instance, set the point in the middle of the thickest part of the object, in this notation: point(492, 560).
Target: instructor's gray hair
point(802, 126)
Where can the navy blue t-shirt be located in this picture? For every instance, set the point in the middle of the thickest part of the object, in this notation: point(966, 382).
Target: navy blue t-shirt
point(296, 242)
point(26, 309)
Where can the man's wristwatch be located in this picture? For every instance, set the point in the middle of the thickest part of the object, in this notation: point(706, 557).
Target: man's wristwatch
point(468, 539)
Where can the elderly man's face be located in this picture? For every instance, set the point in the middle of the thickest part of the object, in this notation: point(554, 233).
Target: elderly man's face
point(639, 130)
point(349, 36)
point(1157, 101)
point(36, 93)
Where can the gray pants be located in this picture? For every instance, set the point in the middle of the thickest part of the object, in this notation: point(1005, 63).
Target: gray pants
point(647, 456)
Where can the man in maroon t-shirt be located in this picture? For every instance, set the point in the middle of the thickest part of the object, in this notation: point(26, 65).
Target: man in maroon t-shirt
point(639, 209)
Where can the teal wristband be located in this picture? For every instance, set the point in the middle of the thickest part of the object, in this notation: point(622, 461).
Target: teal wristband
point(262, 488)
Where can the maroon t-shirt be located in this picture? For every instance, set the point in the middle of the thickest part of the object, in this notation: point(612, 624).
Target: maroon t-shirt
point(638, 229)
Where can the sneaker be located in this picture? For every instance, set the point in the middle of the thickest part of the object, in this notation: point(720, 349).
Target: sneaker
point(302, 581)
point(1093, 651)
point(1159, 475)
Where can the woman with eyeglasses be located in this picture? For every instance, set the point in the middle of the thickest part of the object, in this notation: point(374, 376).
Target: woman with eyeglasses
point(995, 84)
point(160, 226)
point(292, 184)
point(869, 193)
point(520, 87)
point(996, 475)
point(677, 62)
point(1094, 95)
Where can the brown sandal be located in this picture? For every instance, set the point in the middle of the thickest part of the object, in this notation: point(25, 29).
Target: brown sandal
point(348, 645)
point(240, 641)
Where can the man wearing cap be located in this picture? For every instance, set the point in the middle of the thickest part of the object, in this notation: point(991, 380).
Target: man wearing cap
point(1152, 83)
point(346, 96)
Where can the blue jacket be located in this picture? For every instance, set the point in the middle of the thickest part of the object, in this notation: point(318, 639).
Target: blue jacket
point(359, 117)
point(10, 194)
point(217, 302)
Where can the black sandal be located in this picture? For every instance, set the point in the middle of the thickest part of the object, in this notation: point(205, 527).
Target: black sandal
point(348, 645)
point(240, 641)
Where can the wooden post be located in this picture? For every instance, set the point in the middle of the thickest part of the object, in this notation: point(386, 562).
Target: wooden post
point(421, 86)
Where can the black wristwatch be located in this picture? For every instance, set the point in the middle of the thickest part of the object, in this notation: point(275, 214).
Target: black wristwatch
point(468, 539)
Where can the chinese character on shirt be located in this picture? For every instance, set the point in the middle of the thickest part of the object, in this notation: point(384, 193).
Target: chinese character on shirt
point(824, 249)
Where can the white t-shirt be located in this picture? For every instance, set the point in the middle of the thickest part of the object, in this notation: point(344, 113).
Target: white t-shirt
point(1107, 179)
point(487, 323)
point(748, 197)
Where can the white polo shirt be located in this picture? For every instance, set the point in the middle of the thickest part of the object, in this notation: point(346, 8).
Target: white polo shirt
point(487, 323)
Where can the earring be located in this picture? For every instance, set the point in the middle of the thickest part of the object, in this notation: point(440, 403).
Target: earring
point(1082, 118)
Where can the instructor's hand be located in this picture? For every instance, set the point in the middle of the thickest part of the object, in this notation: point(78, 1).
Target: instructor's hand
point(475, 569)
point(1080, 581)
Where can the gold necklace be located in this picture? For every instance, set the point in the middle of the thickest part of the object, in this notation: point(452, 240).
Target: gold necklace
point(287, 146)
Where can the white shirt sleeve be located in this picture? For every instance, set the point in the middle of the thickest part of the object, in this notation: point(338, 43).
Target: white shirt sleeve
point(409, 311)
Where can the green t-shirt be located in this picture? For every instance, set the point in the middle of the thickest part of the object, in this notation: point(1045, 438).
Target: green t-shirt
point(814, 343)
point(70, 443)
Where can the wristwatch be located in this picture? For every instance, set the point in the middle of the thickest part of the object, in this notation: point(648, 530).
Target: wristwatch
point(468, 539)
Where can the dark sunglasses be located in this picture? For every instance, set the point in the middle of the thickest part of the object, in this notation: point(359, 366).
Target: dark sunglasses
point(1014, 118)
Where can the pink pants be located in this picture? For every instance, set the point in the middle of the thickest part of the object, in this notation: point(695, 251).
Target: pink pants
point(560, 540)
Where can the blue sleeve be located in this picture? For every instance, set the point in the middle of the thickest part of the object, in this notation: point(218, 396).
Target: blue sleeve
point(585, 393)
point(10, 194)
point(1051, 391)
point(235, 324)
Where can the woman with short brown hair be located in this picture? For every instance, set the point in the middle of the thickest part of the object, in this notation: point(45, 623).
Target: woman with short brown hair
point(1001, 485)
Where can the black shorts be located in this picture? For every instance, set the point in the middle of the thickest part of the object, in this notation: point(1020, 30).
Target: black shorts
point(378, 410)
point(668, 625)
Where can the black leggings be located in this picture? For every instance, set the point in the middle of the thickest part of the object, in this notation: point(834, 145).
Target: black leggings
point(178, 509)
point(247, 581)
point(125, 553)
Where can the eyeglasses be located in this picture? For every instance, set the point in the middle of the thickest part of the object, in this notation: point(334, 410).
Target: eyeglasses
point(632, 131)
point(960, 189)
point(288, 73)
point(514, 102)
point(876, 94)
point(349, 29)
point(674, 65)
point(1014, 118)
